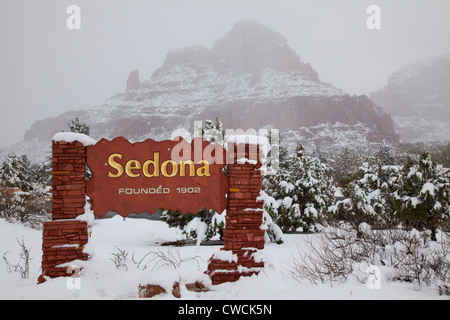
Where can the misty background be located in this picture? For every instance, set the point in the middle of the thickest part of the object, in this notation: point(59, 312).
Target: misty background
point(46, 69)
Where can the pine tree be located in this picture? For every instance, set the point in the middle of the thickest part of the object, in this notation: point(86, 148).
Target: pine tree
point(387, 155)
point(76, 126)
point(424, 200)
point(371, 197)
point(412, 196)
point(302, 191)
point(271, 183)
point(345, 166)
point(214, 132)
point(15, 173)
point(42, 173)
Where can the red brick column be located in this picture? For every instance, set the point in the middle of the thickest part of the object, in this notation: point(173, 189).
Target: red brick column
point(242, 234)
point(64, 237)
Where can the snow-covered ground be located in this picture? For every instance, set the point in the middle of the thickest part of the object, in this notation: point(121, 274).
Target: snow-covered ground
point(101, 279)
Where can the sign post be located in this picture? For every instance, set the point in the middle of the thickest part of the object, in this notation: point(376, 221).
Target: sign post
point(64, 237)
point(242, 235)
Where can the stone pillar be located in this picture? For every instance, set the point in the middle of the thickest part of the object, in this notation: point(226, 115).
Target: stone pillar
point(242, 234)
point(64, 237)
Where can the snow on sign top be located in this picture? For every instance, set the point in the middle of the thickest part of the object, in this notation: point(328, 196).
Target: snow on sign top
point(262, 141)
point(72, 137)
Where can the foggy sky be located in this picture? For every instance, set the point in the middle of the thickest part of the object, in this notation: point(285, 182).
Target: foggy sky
point(46, 69)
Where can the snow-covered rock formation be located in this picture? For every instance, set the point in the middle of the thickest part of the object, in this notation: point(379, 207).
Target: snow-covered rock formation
point(418, 97)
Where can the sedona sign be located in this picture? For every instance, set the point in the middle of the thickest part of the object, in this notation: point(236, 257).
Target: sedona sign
point(146, 176)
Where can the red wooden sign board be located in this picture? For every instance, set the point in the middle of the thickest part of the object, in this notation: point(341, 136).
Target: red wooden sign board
point(146, 176)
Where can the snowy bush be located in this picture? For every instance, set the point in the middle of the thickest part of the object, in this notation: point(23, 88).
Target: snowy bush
point(423, 202)
point(400, 255)
point(344, 166)
point(151, 260)
point(273, 233)
point(23, 265)
point(439, 151)
point(370, 197)
point(30, 208)
point(29, 203)
point(411, 196)
point(302, 190)
point(206, 225)
point(16, 172)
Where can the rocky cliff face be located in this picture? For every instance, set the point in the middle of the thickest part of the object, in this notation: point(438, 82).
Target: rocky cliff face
point(251, 48)
point(249, 79)
point(418, 97)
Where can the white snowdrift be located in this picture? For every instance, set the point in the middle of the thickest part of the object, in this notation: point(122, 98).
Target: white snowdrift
point(101, 280)
point(72, 137)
